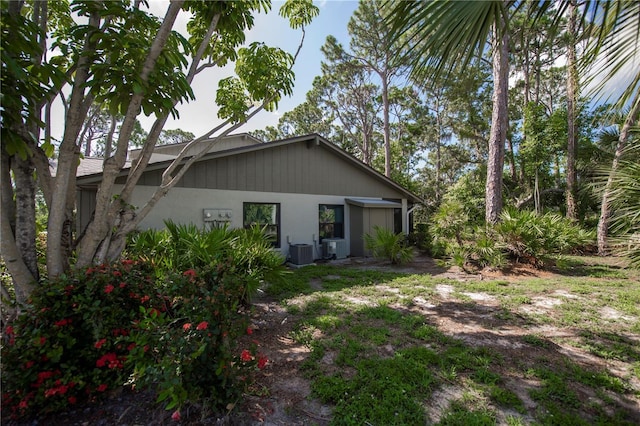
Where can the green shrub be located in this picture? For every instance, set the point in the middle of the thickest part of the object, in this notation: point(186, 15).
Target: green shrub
point(180, 247)
point(72, 342)
point(385, 244)
point(521, 235)
point(421, 238)
point(195, 355)
point(529, 237)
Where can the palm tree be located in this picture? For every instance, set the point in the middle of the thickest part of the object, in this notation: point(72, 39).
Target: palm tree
point(625, 199)
point(443, 33)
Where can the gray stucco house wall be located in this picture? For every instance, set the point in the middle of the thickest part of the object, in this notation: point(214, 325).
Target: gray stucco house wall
point(295, 179)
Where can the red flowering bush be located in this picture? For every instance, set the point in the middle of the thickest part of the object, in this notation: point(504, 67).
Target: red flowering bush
point(170, 323)
point(193, 355)
point(73, 340)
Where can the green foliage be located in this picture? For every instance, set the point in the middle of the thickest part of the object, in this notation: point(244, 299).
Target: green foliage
point(469, 193)
point(421, 237)
point(115, 325)
point(264, 75)
point(530, 237)
point(248, 252)
point(457, 239)
point(386, 244)
point(625, 201)
point(299, 12)
point(520, 234)
point(73, 341)
point(25, 81)
point(383, 391)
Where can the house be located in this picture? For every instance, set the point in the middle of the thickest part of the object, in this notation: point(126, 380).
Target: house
point(314, 199)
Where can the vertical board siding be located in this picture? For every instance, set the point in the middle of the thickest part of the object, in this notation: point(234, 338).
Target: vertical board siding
point(303, 168)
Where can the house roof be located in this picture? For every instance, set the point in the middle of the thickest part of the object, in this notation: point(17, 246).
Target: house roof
point(367, 202)
point(92, 174)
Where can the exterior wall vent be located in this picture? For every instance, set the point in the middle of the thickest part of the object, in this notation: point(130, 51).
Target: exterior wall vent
point(301, 254)
point(334, 248)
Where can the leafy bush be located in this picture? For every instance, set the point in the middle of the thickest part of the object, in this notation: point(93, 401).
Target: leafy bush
point(386, 244)
point(529, 237)
point(143, 323)
point(625, 203)
point(72, 342)
point(182, 247)
point(521, 235)
point(195, 355)
point(421, 238)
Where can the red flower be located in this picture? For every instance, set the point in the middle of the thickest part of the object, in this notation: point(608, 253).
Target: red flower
point(123, 285)
point(127, 262)
point(108, 288)
point(9, 330)
point(262, 361)
point(61, 389)
point(153, 312)
point(131, 347)
point(110, 360)
point(102, 388)
point(72, 400)
point(186, 326)
point(28, 364)
point(245, 356)
point(144, 299)
point(99, 343)
point(202, 326)
point(249, 330)
point(23, 404)
point(190, 273)
point(42, 340)
point(176, 415)
point(117, 273)
point(44, 375)
point(63, 322)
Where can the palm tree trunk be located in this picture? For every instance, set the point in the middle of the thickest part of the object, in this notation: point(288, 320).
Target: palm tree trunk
point(605, 207)
point(499, 124)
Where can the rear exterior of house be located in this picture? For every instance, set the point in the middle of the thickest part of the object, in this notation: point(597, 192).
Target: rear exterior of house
point(314, 200)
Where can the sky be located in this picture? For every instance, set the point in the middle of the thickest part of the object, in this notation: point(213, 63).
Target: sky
point(200, 116)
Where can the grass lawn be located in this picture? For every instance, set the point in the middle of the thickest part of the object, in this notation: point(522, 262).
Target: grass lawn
point(387, 346)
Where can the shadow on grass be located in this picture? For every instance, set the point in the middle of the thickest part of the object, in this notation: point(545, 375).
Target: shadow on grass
point(486, 352)
point(575, 267)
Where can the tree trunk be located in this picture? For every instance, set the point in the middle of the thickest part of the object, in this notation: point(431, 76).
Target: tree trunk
point(386, 125)
point(25, 195)
point(499, 124)
point(23, 279)
point(106, 212)
point(68, 160)
point(605, 207)
point(536, 194)
point(572, 96)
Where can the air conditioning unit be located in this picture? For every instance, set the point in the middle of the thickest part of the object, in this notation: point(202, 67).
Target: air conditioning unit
point(334, 248)
point(301, 254)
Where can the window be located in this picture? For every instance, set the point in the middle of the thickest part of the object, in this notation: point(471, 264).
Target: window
point(264, 215)
point(331, 218)
point(397, 221)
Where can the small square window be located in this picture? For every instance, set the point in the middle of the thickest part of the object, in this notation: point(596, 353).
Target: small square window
point(331, 219)
point(264, 215)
